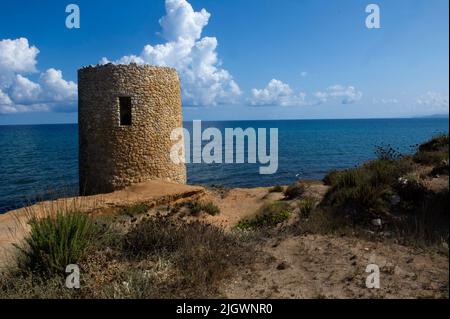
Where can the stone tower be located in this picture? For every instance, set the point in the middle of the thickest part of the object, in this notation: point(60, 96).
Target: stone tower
point(126, 114)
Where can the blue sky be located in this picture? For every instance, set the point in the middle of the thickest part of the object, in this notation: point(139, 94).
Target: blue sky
point(276, 59)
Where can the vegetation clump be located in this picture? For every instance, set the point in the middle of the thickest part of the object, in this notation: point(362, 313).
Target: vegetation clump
point(57, 241)
point(295, 190)
point(198, 207)
point(390, 188)
point(269, 215)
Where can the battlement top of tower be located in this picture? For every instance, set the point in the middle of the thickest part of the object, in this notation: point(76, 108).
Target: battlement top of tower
point(125, 67)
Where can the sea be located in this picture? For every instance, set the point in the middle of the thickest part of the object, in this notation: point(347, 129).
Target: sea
point(39, 162)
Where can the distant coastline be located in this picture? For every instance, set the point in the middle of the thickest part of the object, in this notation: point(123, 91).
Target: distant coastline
point(432, 116)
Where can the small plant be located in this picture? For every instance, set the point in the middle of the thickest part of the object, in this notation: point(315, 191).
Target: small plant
point(133, 210)
point(201, 253)
point(436, 144)
point(269, 215)
point(387, 153)
point(206, 207)
point(434, 151)
point(295, 190)
point(307, 206)
point(211, 208)
point(331, 178)
point(276, 189)
point(57, 241)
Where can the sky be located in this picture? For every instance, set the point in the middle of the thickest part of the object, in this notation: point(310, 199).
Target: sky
point(237, 60)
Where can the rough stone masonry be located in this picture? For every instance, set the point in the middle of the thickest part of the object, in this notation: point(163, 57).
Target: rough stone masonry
point(125, 116)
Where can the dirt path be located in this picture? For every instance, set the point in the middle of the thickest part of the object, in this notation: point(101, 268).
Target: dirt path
point(316, 266)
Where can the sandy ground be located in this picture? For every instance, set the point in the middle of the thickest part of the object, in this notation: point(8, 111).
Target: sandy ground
point(311, 266)
point(317, 266)
point(13, 224)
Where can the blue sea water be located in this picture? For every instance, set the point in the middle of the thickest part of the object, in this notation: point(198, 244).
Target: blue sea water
point(41, 161)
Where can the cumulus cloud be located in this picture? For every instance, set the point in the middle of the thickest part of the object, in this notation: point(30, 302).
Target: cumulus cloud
point(203, 81)
point(434, 100)
point(17, 56)
point(20, 94)
point(344, 94)
point(276, 93)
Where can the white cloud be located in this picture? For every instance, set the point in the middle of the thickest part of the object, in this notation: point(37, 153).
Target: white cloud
point(344, 94)
point(17, 56)
point(435, 101)
point(24, 91)
point(20, 94)
point(203, 81)
point(276, 93)
point(55, 88)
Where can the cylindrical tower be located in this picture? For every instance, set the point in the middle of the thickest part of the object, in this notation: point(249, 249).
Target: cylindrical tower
point(126, 114)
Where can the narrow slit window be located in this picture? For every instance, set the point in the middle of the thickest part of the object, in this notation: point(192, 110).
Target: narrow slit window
point(125, 110)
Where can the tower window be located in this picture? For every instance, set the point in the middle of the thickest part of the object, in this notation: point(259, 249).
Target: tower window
point(125, 110)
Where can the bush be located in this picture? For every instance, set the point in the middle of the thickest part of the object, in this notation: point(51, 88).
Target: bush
point(211, 209)
point(331, 177)
point(384, 172)
point(206, 207)
point(307, 206)
point(436, 144)
point(430, 158)
point(268, 216)
point(57, 241)
point(136, 209)
point(152, 236)
point(434, 151)
point(202, 254)
point(295, 190)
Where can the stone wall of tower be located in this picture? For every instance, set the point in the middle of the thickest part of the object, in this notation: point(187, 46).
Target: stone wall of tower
point(113, 156)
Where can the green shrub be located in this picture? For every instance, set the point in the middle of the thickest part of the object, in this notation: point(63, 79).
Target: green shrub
point(276, 189)
point(133, 210)
point(434, 151)
point(152, 236)
point(430, 158)
point(331, 177)
point(352, 178)
point(57, 241)
point(384, 172)
point(268, 216)
point(211, 208)
point(295, 190)
point(206, 207)
point(201, 253)
point(436, 144)
point(307, 206)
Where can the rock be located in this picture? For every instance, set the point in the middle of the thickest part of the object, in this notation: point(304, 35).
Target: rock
point(282, 266)
point(403, 273)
